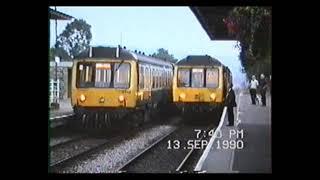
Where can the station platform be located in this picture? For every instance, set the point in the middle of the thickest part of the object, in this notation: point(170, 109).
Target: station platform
point(245, 147)
point(65, 109)
point(56, 116)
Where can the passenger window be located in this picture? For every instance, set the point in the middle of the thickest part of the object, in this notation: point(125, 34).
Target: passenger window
point(141, 77)
point(153, 79)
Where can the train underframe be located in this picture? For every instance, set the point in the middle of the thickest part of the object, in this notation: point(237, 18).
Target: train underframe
point(200, 112)
point(106, 117)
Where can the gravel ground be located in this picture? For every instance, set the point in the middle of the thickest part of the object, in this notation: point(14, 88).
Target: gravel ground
point(111, 158)
point(74, 148)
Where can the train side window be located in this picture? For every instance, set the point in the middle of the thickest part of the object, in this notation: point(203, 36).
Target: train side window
point(165, 78)
point(153, 78)
point(149, 78)
point(145, 77)
point(157, 79)
point(161, 78)
point(169, 79)
point(159, 75)
point(141, 77)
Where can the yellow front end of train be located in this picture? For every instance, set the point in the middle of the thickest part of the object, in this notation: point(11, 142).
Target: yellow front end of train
point(121, 93)
point(200, 84)
point(183, 93)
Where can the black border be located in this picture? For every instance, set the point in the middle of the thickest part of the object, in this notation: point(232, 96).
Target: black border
point(37, 53)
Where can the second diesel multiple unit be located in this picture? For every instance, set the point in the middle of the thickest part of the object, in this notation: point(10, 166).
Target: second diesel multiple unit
point(200, 84)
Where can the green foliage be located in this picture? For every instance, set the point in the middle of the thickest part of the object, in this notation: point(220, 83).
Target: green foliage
point(164, 54)
point(251, 26)
point(59, 52)
point(74, 39)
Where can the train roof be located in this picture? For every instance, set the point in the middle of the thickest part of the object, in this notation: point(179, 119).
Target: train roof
point(124, 54)
point(199, 60)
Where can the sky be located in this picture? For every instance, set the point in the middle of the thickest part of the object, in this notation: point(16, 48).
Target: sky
point(147, 29)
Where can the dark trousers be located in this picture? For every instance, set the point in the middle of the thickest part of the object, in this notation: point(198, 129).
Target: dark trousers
point(230, 115)
point(253, 93)
point(263, 97)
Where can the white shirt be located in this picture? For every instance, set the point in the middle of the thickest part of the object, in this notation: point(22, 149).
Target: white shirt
point(254, 84)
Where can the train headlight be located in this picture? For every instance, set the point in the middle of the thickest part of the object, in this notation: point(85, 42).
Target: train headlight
point(82, 97)
point(102, 100)
point(213, 96)
point(182, 95)
point(121, 98)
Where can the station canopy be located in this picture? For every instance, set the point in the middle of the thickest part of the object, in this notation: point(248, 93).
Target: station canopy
point(211, 19)
point(54, 14)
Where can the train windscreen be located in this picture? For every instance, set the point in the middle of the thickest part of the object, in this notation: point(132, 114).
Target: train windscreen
point(183, 78)
point(197, 78)
point(103, 75)
point(200, 77)
point(212, 78)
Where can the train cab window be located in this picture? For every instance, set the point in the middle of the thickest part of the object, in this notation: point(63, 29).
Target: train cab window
point(85, 77)
point(197, 78)
point(141, 77)
point(212, 78)
point(103, 75)
point(183, 78)
point(122, 75)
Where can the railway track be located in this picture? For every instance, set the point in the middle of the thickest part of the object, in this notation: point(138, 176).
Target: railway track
point(126, 165)
point(155, 157)
point(96, 145)
point(187, 162)
point(70, 140)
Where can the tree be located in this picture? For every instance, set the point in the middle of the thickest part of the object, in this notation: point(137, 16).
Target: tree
point(74, 39)
point(59, 52)
point(164, 54)
point(251, 26)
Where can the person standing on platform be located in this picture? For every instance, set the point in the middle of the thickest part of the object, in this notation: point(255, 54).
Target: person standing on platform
point(263, 89)
point(253, 89)
point(231, 103)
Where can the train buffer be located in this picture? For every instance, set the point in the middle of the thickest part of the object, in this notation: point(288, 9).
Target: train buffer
point(243, 148)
